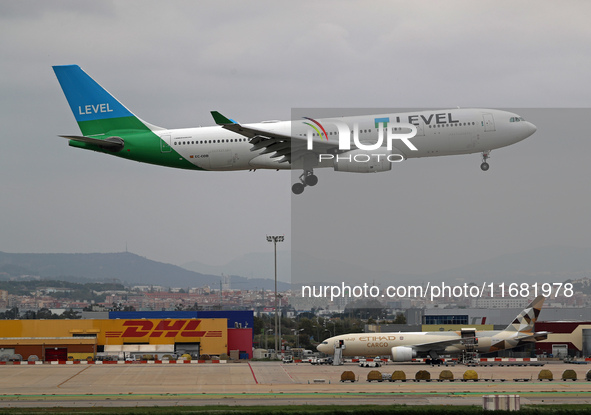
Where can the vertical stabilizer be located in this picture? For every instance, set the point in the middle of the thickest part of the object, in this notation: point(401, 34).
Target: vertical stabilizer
point(524, 322)
point(95, 109)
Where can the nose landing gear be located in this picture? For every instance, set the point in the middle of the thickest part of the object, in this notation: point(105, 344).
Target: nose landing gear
point(485, 156)
point(307, 178)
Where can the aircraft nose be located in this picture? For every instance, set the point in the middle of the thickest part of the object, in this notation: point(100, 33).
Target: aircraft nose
point(524, 130)
point(531, 128)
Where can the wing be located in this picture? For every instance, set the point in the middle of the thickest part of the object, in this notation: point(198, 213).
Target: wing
point(287, 148)
point(441, 345)
point(537, 336)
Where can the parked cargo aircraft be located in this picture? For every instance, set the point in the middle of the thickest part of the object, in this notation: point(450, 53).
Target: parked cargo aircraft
point(361, 144)
point(403, 347)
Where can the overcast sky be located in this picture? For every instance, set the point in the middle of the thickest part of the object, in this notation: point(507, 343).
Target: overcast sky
point(172, 62)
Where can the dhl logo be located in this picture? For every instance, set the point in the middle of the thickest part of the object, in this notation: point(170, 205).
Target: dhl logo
point(163, 328)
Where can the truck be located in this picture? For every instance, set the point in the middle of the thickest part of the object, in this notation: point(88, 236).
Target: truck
point(322, 361)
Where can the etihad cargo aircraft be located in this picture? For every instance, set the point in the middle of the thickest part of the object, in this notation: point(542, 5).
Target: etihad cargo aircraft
point(404, 347)
point(360, 144)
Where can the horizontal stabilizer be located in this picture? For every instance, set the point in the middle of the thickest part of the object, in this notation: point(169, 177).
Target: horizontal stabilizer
point(110, 143)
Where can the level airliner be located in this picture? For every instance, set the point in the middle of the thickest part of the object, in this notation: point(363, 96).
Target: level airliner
point(404, 347)
point(360, 144)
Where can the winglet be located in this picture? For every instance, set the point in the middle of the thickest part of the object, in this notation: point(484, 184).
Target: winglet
point(220, 119)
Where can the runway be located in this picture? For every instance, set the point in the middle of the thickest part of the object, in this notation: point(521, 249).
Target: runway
point(273, 383)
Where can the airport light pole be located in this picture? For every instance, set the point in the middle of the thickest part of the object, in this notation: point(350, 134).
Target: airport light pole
point(279, 297)
point(297, 333)
point(275, 239)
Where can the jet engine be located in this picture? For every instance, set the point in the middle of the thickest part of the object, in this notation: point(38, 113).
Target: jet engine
point(403, 354)
point(363, 161)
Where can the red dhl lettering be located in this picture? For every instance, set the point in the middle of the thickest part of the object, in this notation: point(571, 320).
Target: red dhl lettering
point(165, 328)
point(136, 325)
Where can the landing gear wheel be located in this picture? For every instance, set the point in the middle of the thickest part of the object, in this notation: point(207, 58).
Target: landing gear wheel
point(298, 188)
point(307, 178)
point(485, 156)
point(311, 180)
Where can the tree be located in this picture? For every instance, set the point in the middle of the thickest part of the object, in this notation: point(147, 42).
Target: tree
point(259, 325)
point(400, 319)
point(29, 315)
point(45, 313)
point(13, 313)
point(71, 314)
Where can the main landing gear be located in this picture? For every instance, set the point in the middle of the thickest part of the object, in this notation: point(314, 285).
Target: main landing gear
point(306, 179)
point(485, 156)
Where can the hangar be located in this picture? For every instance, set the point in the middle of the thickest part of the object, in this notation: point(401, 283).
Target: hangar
point(129, 336)
point(566, 338)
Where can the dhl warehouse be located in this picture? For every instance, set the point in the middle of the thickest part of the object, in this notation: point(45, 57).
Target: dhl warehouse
point(131, 334)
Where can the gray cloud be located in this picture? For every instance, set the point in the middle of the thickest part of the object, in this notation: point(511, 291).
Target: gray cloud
point(172, 62)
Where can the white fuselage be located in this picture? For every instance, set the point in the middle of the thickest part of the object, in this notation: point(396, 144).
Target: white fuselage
point(439, 133)
point(381, 344)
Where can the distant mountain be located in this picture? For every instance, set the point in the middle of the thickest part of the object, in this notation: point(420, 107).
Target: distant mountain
point(544, 264)
point(256, 264)
point(242, 283)
point(124, 266)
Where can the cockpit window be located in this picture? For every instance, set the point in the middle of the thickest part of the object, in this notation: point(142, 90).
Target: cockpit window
point(324, 342)
point(516, 119)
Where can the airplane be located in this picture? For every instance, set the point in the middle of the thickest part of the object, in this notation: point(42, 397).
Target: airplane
point(404, 347)
point(107, 126)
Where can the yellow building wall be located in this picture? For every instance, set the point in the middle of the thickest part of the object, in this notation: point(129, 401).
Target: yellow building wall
point(212, 334)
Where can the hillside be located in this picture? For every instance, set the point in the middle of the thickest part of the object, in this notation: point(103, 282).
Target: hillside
point(126, 267)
